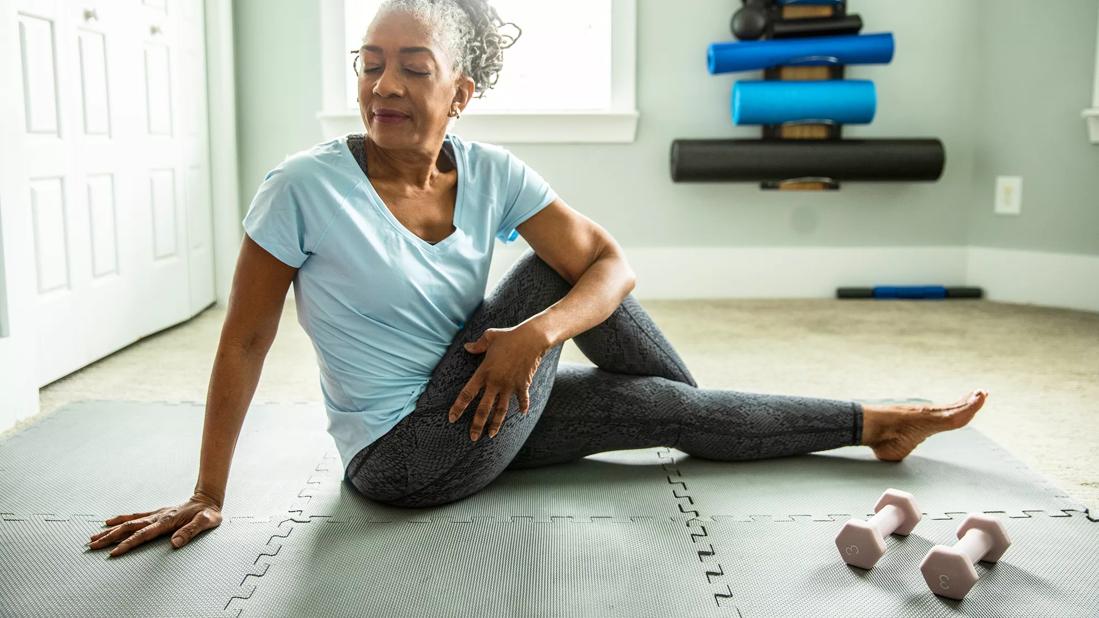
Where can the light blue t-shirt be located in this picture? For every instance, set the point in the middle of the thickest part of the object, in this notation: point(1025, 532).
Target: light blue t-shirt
point(381, 304)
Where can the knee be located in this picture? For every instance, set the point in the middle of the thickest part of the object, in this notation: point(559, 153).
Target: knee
point(533, 265)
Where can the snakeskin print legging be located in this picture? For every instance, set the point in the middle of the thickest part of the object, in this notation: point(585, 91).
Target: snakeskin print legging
point(638, 395)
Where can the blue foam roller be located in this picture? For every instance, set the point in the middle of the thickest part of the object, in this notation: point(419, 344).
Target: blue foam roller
point(803, 51)
point(909, 291)
point(843, 101)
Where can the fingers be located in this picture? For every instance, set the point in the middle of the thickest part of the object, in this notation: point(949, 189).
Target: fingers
point(499, 412)
point(202, 521)
point(105, 536)
point(482, 414)
point(118, 519)
point(145, 534)
point(468, 392)
point(524, 400)
point(118, 532)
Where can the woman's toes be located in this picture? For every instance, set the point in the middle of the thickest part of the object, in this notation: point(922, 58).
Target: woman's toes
point(960, 415)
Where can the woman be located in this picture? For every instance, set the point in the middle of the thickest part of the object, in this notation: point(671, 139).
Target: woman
point(387, 238)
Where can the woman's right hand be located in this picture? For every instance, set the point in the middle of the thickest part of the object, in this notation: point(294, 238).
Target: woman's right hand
point(198, 513)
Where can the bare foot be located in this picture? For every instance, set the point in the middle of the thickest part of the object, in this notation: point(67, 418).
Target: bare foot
point(894, 430)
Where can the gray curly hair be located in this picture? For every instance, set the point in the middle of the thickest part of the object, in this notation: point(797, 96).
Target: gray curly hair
point(470, 30)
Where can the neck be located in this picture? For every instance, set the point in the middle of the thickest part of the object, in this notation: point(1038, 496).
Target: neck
point(417, 167)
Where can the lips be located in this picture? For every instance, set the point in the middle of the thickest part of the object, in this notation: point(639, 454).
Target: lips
point(390, 114)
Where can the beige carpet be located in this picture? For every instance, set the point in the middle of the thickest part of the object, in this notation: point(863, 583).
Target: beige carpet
point(1040, 365)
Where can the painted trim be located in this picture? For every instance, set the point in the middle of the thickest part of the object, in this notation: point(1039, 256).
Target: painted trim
point(1064, 280)
point(1092, 115)
point(616, 124)
point(224, 178)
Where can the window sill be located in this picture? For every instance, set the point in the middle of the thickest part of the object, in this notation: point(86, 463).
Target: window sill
point(517, 127)
point(1092, 116)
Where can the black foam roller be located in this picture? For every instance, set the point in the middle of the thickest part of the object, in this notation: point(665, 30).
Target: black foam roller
point(789, 28)
point(854, 292)
point(964, 292)
point(743, 160)
point(749, 23)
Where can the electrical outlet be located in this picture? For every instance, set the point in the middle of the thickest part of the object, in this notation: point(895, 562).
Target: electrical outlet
point(1009, 195)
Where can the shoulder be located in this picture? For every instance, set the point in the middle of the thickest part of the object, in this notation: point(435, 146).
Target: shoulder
point(317, 167)
point(488, 156)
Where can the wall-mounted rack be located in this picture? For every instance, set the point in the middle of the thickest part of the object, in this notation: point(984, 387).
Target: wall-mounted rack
point(802, 104)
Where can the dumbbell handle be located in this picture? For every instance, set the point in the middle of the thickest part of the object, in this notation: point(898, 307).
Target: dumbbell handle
point(974, 545)
point(887, 520)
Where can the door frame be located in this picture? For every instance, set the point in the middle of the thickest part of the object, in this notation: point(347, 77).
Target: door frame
point(224, 178)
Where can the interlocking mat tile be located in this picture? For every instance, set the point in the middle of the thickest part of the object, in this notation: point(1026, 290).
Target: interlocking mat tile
point(954, 471)
point(488, 568)
point(47, 571)
point(105, 458)
point(794, 569)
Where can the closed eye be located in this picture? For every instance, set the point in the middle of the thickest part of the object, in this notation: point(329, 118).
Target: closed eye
point(410, 71)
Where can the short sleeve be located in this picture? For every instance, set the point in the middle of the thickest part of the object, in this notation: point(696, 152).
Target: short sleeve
point(526, 194)
point(279, 219)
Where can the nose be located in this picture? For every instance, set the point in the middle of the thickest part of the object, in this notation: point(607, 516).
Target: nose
point(389, 83)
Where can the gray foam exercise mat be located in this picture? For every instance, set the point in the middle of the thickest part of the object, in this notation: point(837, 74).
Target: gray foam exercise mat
point(953, 471)
point(104, 458)
point(794, 569)
point(647, 532)
point(47, 571)
point(487, 568)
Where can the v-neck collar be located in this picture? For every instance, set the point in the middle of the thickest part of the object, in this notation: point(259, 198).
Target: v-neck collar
point(376, 200)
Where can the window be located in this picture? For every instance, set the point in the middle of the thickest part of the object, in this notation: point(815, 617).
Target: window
point(547, 92)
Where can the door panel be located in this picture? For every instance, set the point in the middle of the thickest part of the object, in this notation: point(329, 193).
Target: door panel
point(107, 156)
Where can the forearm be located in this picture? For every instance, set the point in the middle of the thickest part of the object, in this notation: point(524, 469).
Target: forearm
point(592, 299)
point(233, 381)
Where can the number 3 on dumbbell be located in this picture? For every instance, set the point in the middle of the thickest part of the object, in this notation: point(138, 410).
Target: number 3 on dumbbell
point(949, 571)
point(862, 543)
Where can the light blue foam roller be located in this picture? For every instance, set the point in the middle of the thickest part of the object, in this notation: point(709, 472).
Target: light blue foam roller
point(842, 101)
point(801, 51)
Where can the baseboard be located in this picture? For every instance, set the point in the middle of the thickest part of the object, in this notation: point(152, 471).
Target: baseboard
point(1070, 281)
point(1006, 275)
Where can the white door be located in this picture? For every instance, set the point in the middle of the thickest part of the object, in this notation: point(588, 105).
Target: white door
point(110, 186)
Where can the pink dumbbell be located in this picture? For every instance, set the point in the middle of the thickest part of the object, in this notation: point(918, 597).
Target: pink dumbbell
point(862, 543)
point(949, 571)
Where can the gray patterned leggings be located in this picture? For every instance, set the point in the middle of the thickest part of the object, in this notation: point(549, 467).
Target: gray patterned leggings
point(639, 395)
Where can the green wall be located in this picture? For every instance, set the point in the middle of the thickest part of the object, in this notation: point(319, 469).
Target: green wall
point(1001, 82)
point(1036, 74)
point(278, 58)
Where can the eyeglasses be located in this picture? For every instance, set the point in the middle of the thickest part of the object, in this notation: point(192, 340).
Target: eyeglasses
point(356, 62)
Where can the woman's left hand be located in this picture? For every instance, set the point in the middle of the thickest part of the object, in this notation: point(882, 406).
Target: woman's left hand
point(512, 356)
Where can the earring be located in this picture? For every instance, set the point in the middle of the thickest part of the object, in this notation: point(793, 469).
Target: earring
point(455, 112)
